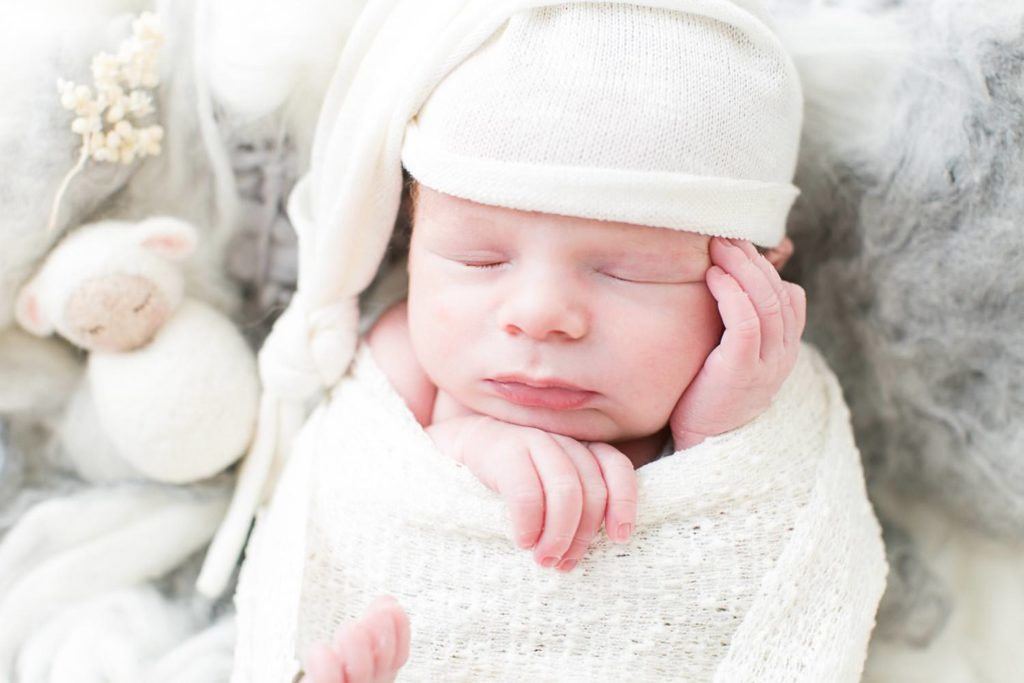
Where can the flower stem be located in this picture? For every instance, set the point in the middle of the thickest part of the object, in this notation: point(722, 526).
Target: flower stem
point(55, 209)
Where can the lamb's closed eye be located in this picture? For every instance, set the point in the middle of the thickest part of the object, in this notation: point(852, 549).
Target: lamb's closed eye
point(145, 302)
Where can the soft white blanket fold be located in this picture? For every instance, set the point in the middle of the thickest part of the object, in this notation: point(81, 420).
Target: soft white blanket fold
point(756, 555)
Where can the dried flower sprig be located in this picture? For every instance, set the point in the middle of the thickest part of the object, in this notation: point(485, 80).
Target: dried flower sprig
point(108, 114)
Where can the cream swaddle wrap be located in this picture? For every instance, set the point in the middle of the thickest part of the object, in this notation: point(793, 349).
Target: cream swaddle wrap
point(756, 555)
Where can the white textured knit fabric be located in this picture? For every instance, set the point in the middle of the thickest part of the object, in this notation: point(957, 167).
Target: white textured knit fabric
point(756, 555)
point(687, 120)
point(398, 53)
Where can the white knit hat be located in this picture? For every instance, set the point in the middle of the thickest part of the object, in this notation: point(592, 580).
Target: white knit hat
point(624, 113)
point(675, 113)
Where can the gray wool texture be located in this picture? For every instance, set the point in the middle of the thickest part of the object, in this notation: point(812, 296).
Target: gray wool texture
point(910, 244)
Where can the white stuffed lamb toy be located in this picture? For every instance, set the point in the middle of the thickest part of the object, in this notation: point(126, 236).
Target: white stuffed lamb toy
point(170, 390)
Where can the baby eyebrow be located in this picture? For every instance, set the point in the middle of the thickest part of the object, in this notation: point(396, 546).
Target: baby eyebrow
point(666, 240)
point(668, 257)
point(701, 248)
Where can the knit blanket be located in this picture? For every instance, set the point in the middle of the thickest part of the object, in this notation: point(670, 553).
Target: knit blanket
point(756, 555)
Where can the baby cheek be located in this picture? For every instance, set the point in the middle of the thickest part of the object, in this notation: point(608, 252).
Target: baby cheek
point(440, 327)
point(706, 324)
point(434, 292)
point(674, 344)
point(701, 332)
point(443, 309)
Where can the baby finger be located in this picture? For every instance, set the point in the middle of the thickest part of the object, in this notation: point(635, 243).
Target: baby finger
point(798, 303)
point(395, 623)
point(355, 652)
point(563, 499)
point(789, 331)
point(755, 275)
point(595, 498)
point(741, 341)
point(401, 638)
point(380, 622)
point(620, 479)
point(771, 273)
point(516, 479)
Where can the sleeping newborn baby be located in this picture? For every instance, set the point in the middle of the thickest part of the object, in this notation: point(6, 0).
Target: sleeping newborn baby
point(552, 355)
point(591, 332)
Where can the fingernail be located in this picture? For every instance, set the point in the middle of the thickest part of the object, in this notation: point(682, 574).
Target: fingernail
point(549, 562)
point(525, 539)
point(566, 565)
point(624, 531)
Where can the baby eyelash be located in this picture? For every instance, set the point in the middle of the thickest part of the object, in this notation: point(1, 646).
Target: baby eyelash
point(484, 266)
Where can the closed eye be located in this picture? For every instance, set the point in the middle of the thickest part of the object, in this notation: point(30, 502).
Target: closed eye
point(644, 279)
point(483, 265)
point(620, 278)
point(145, 302)
point(483, 259)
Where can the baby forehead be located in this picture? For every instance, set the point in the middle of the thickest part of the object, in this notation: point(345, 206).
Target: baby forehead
point(460, 219)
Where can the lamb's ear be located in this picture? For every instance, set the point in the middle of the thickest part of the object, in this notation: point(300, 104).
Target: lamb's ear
point(29, 312)
point(169, 237)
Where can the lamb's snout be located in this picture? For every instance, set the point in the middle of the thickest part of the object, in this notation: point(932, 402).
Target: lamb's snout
point(116, 312)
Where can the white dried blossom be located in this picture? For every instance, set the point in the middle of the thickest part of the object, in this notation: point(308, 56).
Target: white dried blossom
point(109, 92)
point(106, 68)
point(123, 128)
point(83, 125)
point(108, 114)
point(140, 104)
point(139, 74)
point(102, 152)
point(79, 99)
point(149, 140)
point(118, 96)
point(95, 141)
point(68, 99)
point(147, 30)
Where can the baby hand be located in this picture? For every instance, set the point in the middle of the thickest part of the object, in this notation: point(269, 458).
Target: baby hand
point(369, 650)
point(558, 490)
point(764, 318)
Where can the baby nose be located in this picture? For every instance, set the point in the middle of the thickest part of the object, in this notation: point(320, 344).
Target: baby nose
point(544, 311)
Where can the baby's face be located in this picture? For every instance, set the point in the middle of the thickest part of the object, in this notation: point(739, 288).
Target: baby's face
point(580, 327)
